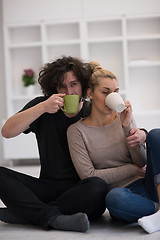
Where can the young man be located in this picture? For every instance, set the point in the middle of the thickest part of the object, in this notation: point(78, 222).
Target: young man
point(57, 199)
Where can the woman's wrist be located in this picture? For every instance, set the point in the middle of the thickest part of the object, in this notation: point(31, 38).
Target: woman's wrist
point(126, 124)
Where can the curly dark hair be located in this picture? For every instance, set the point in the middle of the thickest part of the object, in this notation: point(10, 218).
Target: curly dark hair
point(53, 73)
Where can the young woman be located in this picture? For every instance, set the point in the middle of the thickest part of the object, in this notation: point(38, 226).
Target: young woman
point(100, 148)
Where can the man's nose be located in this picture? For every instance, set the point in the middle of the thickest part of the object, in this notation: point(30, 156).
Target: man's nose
point(69, 91)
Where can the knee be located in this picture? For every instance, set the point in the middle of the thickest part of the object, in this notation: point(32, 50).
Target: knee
point(5, 172)
point(119, 204)
point(96, 190)
point(98, 186)
point(116, 198)
point(2, 170)
point(154, 136)
point(99, 182)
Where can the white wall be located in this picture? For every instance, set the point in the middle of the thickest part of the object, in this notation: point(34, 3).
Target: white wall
point(119, 7)
point(32, 10)
point(29, 10)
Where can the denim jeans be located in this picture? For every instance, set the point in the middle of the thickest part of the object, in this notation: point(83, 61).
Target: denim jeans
point(140, 197)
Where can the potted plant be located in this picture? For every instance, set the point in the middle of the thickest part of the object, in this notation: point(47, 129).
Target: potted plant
point(28, 81)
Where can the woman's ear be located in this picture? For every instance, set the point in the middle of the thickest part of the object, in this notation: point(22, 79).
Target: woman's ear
point(89, 93)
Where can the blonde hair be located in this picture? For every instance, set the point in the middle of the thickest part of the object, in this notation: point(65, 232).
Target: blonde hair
point(97, 73)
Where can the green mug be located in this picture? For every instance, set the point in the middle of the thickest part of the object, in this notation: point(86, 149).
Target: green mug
point(71, 103)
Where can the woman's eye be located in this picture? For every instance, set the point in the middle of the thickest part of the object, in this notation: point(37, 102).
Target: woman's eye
point(106, 93)
point(73, 84)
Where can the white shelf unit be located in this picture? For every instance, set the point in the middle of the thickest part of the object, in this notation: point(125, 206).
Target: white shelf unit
point(62, 38)
point(143, 59)
point(129, 46)
point(22, 44)
point(105, 39)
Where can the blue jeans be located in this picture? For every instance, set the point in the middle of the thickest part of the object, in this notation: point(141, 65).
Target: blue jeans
point(140, 197)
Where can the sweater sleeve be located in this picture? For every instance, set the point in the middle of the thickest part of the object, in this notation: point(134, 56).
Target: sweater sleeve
point(84, 165)
point(138, 154)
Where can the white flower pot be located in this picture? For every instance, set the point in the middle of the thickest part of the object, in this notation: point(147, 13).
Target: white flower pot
point(29, 91)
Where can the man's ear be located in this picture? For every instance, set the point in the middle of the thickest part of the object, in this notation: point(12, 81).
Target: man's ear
point(89, 93)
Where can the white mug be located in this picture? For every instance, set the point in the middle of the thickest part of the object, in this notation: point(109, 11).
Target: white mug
point(115, 102)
